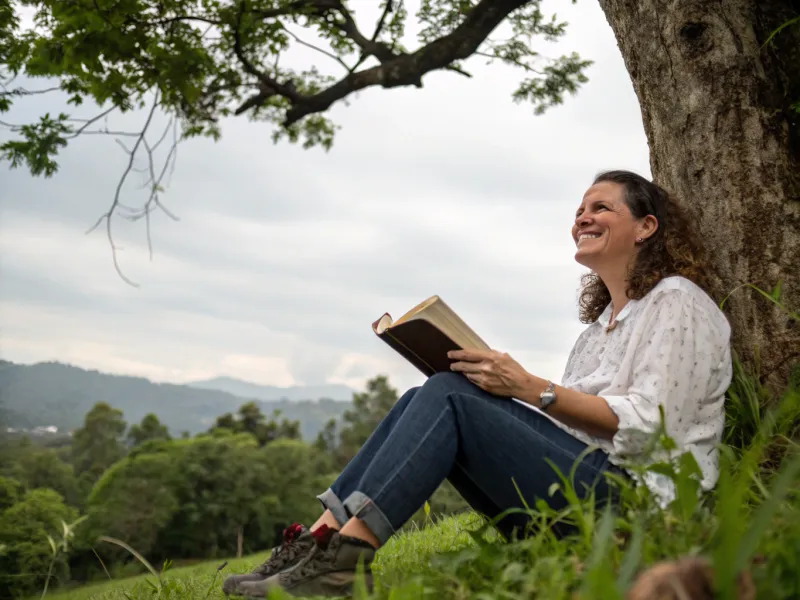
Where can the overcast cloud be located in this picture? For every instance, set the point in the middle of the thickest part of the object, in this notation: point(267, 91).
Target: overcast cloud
point(283, 257)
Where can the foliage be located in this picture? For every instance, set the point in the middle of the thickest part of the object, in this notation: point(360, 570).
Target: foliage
point(204, 61)
point(251, 420)
point(368, 409)
point(26, 531)
point(134, 500)
point(191, 498)
point(98, 444)
point(9, 492)
point(35, 467)
point(148, 430)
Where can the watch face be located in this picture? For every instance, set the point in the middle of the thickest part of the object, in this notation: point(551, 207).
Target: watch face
point(548, 398)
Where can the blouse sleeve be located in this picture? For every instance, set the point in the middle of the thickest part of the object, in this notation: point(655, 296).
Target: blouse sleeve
point(679, 362)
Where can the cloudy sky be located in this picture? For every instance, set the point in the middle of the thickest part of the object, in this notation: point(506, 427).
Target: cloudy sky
point(283, 257)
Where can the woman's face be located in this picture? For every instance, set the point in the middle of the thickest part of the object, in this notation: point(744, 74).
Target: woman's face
point(604, 230)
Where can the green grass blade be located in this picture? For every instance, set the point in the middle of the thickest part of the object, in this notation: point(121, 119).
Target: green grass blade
point(138, 556)
point(632, 558)
point(762, 516)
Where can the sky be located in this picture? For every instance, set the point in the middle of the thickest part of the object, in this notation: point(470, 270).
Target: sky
point(282, 257)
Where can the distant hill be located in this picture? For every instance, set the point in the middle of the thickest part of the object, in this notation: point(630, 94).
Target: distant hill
point(57, 394)
point(270, 393)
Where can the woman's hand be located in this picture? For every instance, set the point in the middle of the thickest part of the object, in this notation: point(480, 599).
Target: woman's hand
point(492, 371)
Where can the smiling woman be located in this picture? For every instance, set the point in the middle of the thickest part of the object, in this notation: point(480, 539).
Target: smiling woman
point(655, 341)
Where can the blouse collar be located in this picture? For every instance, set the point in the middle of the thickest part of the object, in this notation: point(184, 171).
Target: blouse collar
point(605, 316)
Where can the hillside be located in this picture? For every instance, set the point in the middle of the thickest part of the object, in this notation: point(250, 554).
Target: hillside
point(271, 393)
point(57, 394)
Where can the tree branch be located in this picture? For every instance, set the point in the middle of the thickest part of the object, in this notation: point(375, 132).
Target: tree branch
point(268, 86)
point(395, 70)
point(386, 12)
point(408, 69)
point(369, 47)
point(180, 18)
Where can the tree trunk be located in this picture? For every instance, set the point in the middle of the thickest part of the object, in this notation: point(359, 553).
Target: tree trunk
point(239, 541)
point(722, 137)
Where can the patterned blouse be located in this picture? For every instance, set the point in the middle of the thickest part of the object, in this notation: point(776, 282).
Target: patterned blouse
point(670, 348)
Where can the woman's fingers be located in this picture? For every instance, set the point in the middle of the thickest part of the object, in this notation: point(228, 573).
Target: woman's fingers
point(467, 367)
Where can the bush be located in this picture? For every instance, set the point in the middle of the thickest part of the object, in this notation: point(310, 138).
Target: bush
point(24, 531)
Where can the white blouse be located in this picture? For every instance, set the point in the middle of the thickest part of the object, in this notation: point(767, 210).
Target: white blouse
point(671, 348)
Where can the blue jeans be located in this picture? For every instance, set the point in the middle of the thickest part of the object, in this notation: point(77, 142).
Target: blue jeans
point(451, 429)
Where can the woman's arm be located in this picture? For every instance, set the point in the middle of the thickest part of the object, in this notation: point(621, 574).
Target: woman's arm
point(575, 409)
point(499, 374)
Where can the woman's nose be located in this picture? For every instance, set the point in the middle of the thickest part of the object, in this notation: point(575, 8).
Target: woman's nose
point(583, 219)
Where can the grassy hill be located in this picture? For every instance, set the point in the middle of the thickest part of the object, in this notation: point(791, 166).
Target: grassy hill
point(53, 393)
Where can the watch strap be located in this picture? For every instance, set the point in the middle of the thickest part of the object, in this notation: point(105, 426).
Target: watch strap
point(548, 396)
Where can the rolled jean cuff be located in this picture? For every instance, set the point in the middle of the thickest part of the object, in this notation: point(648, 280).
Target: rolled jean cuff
point(331, 501)
point(361, 506)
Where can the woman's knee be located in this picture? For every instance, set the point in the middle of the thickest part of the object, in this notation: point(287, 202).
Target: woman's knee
point(448, 382)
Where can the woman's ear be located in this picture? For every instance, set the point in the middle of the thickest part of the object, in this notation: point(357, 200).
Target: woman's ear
point(646, 227)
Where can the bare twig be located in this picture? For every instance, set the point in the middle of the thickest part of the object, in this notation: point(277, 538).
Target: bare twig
point(20, 91)
point(108, 214)
point(90, 121)
point(458, 70)
point(512, 61)
point(108, 132)
point(313, 47)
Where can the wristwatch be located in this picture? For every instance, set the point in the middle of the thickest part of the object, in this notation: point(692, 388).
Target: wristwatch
point(548, 396)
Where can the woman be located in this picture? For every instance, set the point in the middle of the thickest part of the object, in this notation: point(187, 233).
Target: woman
point(655, 338)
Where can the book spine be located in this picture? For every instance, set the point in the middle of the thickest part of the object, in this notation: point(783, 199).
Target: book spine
point(407, 353)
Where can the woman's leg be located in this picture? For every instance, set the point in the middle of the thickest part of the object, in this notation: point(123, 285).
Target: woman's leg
point(335, 515)
point(451, 428)
point(446, 428)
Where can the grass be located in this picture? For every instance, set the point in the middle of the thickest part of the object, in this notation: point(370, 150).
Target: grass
point(406, 554)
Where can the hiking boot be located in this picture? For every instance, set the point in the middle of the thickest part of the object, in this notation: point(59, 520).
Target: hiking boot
point(297, 541)
point(329, 569)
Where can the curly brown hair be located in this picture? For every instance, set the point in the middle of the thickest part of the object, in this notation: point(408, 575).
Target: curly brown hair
point(674, 249)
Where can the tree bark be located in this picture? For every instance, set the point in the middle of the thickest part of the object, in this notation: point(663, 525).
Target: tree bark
point(716, 110)
point(239, 541)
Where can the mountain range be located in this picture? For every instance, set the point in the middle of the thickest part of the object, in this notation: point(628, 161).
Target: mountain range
point(270, 393)
point(57, 394)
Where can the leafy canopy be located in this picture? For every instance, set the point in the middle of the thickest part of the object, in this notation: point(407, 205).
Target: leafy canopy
point(201, 60)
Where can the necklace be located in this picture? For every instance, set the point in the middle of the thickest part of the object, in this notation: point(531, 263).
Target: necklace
point(612, 321)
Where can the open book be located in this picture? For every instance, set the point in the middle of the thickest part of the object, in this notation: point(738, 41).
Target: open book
point(426, 333)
